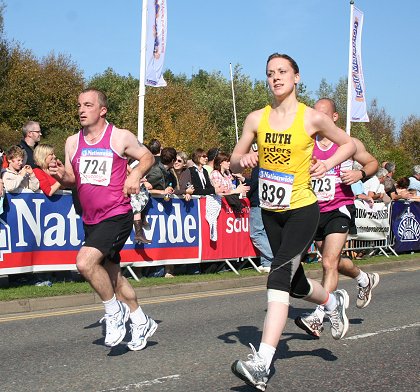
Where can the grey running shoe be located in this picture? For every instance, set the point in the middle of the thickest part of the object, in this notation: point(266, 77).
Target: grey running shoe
point(311, 324)
point(140, 333)
point(338, 318)
point(365, 293)
point(253, 371)
point(115, 325)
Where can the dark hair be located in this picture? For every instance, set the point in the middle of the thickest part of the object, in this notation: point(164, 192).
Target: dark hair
point(221, 157)
point(167, 155)
point(390, 166)
point(154, 146)
point(403, 182)
point(102, 99)
point(283, 56)
point(197, 154)
point(212, 153)
point(332, 103)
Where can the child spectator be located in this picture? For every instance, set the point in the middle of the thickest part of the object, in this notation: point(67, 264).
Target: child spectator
point(43, 156)
point(15, 176)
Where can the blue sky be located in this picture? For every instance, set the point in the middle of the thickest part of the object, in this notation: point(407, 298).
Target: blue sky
point(98, 34)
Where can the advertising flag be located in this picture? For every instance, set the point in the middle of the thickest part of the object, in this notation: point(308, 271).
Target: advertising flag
point(155, 42)
point(358, 92)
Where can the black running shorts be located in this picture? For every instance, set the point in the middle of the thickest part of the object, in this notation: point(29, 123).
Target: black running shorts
point(110, 235)
point(341, 220)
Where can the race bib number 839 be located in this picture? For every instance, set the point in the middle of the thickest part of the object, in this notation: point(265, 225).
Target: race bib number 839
point(275, 189)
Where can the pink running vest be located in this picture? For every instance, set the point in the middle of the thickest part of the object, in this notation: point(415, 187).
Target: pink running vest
point(100, 175)
point(343, 193)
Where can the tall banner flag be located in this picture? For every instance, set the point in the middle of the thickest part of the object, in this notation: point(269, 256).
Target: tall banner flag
point(358, 112)
point(155, 42)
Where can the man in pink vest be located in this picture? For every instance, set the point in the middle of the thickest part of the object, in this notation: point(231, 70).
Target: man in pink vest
point(336, 204)
point(96, 163)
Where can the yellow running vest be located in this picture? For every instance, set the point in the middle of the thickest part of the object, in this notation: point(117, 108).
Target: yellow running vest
point(284, 159)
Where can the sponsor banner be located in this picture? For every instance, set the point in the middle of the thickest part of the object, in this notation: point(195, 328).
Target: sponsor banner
point(38, 233)
point(372, 223)
point(358, 93)
point(174, 229)
point(406, 226)
point(233, 238)
point(155, 42)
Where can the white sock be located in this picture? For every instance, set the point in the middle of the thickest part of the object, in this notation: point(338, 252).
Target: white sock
point(320, 312)
point(331, 303)
point(266, 352)
point(138, 317)
point(111, 306)
point(362, 279)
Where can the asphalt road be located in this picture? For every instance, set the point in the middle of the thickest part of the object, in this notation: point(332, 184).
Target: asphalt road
point(201, 334)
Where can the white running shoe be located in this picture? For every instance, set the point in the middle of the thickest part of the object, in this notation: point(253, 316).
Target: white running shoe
point(253, 371)
point(115, 325)
point(311, 324)
point(365, 293)
point(140, 333)
point(264, 270)
point(338, 318)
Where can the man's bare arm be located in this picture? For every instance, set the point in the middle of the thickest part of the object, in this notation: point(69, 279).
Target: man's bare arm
point(133, 149)
point(63, 173)
point(369, 163)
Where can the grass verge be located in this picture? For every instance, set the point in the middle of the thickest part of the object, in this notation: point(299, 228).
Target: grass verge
point(73, 288)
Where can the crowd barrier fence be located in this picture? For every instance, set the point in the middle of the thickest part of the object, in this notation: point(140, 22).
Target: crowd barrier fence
point(39, 233)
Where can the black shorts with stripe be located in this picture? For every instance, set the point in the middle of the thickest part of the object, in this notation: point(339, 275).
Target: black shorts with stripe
point(341, 220)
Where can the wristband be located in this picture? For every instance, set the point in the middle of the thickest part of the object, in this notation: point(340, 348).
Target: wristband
point(363, 174)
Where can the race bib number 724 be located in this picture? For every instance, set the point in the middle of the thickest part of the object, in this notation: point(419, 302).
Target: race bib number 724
point(95, 166)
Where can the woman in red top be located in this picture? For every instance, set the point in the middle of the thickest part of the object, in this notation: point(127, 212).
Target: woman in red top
point(43, 155)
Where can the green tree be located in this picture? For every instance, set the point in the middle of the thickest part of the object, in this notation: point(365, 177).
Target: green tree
point(325, 90)
point(41, 90)
point(409, 139)
point(60, 84)
point(121, 92)
point(381, 124)
point(172, 116)
point(340, 98)
point(403, 163)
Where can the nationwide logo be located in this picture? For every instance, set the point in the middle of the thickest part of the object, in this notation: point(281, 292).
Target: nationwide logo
point(409, 228)
point(5, 242)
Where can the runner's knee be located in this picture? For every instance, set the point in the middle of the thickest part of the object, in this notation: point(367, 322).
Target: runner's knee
point(278, 296)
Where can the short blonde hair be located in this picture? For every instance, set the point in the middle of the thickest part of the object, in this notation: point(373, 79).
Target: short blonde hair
point(183, 156)
point(40, 154)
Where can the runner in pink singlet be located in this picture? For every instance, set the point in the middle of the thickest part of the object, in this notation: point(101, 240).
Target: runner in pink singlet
point(96, 163)
point(336, 202)
point(100, 175)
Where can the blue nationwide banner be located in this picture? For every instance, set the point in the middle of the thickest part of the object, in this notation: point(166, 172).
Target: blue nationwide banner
point(405, 221)
point(39, 233)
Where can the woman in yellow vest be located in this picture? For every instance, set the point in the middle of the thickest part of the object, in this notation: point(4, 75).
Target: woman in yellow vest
point(285, 133)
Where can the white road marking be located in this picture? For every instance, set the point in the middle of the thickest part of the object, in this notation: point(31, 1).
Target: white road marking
point(147, 383)
point(394, 329)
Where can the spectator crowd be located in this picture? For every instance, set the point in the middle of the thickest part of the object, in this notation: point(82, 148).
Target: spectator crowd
point(175, 173)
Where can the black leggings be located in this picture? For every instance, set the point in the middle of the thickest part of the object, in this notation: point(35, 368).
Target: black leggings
point(290, 234)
